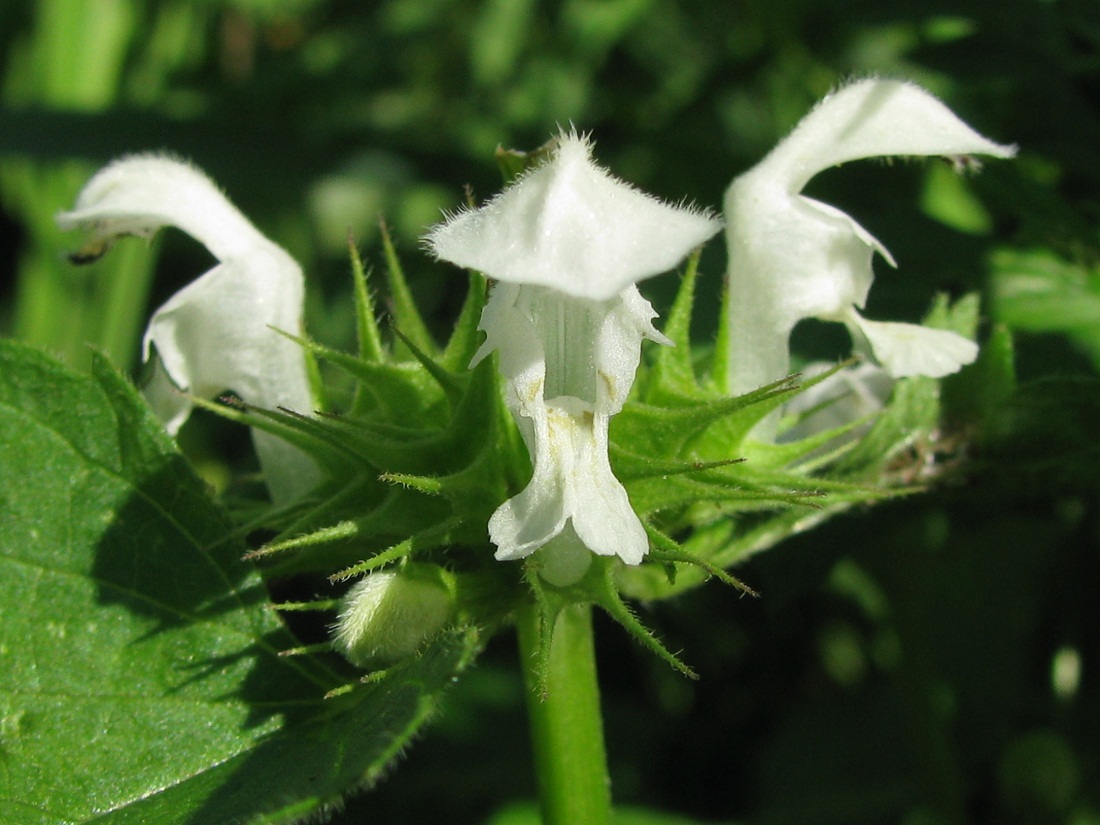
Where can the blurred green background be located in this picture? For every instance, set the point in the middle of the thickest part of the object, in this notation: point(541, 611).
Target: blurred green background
point(935, 660)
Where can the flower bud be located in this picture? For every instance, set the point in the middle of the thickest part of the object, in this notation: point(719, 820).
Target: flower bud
point(387, 616)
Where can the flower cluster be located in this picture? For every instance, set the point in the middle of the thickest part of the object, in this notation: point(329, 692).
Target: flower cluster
point(564, 246)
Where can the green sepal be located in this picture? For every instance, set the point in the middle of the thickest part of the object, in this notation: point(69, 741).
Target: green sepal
point(466, 338)
point(425, 540)
point(672, 378)
point(366, 320)
point(318, 605)
point(744, 490)
point(669, 552)
point(326, 511)
point(720, 357)
point(549, 602)
point(288, 425)
point(445, 448)
point(406, 316)
point(341, 531)
point(401, 513)
point(665, 431)
point(475, 490)
point(387, 389)
point(451, 384)
point(597, 586)
point(607, 597)
point(633, 467)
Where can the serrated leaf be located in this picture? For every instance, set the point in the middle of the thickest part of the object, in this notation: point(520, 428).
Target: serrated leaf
point(140, 680)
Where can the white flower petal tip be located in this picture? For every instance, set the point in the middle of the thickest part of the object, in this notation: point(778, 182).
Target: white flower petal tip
point(217, 333)
point(791, 257)
point(906, 350)
point(568, 224)
point(572, 490)
point(875, 118)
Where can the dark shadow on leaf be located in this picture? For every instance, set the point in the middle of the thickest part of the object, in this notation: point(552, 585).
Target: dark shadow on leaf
point(334, 746)
point(211, 639)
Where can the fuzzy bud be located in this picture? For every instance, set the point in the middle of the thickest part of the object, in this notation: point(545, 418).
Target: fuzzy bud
point(387, 616)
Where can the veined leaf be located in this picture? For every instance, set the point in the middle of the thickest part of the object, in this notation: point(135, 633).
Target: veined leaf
point(140, 680)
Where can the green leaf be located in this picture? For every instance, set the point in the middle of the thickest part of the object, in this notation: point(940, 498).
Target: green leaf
point(1036, 291)
point(140, 680)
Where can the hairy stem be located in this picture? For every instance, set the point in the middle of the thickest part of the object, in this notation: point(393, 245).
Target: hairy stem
point(563, 703)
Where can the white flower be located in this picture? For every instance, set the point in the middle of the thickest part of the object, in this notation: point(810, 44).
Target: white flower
point(569, 363)
point(792, 257)
point(217, 333)
point(569, 242)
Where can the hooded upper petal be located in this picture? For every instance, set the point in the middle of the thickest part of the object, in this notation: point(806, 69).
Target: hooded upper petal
point(873, 118)
point(217, 333)
point(570, 225)
point(139, 194)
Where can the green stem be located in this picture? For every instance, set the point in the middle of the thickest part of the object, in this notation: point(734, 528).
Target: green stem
point(563, 704)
